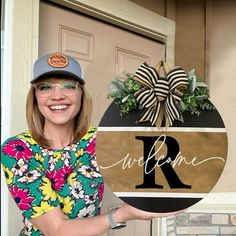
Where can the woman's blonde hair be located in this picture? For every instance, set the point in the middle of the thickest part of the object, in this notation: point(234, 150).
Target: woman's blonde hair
point(36, 120)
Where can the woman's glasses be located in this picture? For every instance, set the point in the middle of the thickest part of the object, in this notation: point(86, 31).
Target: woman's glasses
point(45, 89)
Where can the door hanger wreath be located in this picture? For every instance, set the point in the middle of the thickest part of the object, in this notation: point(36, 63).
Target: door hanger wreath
point(148, 157)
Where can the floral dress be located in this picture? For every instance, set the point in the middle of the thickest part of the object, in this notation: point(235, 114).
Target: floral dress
point(40, 179)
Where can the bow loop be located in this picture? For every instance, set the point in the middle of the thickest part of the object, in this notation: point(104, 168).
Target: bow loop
point(160, 96)
point(146, 75)
point(177, 79)
point(146, 97)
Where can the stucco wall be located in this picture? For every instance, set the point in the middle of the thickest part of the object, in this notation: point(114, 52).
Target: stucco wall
point(221, 64)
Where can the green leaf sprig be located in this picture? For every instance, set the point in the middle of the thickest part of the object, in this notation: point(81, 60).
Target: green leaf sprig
point(122, 90)
point(195, 99)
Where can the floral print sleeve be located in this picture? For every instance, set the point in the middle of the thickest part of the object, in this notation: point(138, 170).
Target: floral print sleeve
point(25, 178)
point(40, 179)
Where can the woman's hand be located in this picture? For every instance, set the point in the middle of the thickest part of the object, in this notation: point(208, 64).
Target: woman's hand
point(127, 212)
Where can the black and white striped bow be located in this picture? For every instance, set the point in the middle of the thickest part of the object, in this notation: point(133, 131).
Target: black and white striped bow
point(160, 96)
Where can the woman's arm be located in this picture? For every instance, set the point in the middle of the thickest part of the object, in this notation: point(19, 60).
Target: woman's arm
point(55, 222)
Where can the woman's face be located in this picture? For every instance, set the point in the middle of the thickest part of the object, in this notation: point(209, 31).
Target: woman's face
point(59, 100)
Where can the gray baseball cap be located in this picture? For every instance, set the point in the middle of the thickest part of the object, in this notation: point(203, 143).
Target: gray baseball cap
point(57, 64)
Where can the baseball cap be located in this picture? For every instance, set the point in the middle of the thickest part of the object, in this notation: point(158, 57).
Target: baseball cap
point(57, 64)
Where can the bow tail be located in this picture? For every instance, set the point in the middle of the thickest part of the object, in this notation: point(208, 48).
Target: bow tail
point(172, 111)
point(152, 114)
point(160, 117)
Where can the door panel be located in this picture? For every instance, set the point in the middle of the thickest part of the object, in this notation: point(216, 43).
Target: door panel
point(104, 51)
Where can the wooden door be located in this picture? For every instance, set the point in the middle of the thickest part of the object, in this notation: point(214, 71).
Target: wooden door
point(104, 51)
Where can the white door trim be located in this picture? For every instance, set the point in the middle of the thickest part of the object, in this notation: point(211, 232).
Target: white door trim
point(6, 65)
point(19, 50)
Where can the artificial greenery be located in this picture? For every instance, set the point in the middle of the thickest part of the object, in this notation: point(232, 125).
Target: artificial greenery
point(194, 100)
point(122, 91)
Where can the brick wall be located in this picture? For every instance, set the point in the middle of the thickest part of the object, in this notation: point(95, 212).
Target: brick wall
point(202, 224)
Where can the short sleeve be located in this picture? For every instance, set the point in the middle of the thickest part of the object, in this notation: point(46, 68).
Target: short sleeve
point(25, 178)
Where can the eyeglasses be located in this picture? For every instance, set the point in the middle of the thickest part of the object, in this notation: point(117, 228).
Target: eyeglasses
point(46, 89)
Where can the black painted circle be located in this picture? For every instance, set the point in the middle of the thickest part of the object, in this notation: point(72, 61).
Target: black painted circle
point(158, 189)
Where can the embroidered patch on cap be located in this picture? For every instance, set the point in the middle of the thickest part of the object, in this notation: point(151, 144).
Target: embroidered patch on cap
point(58, 60)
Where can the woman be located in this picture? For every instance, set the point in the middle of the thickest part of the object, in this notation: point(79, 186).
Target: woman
point(51, 170)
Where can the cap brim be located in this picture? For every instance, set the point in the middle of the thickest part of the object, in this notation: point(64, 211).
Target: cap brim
point(59, 72)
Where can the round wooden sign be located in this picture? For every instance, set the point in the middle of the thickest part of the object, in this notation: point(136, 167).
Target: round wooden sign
point(161, 169)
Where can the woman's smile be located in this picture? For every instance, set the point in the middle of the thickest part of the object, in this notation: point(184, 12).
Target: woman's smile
point(58, 107)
